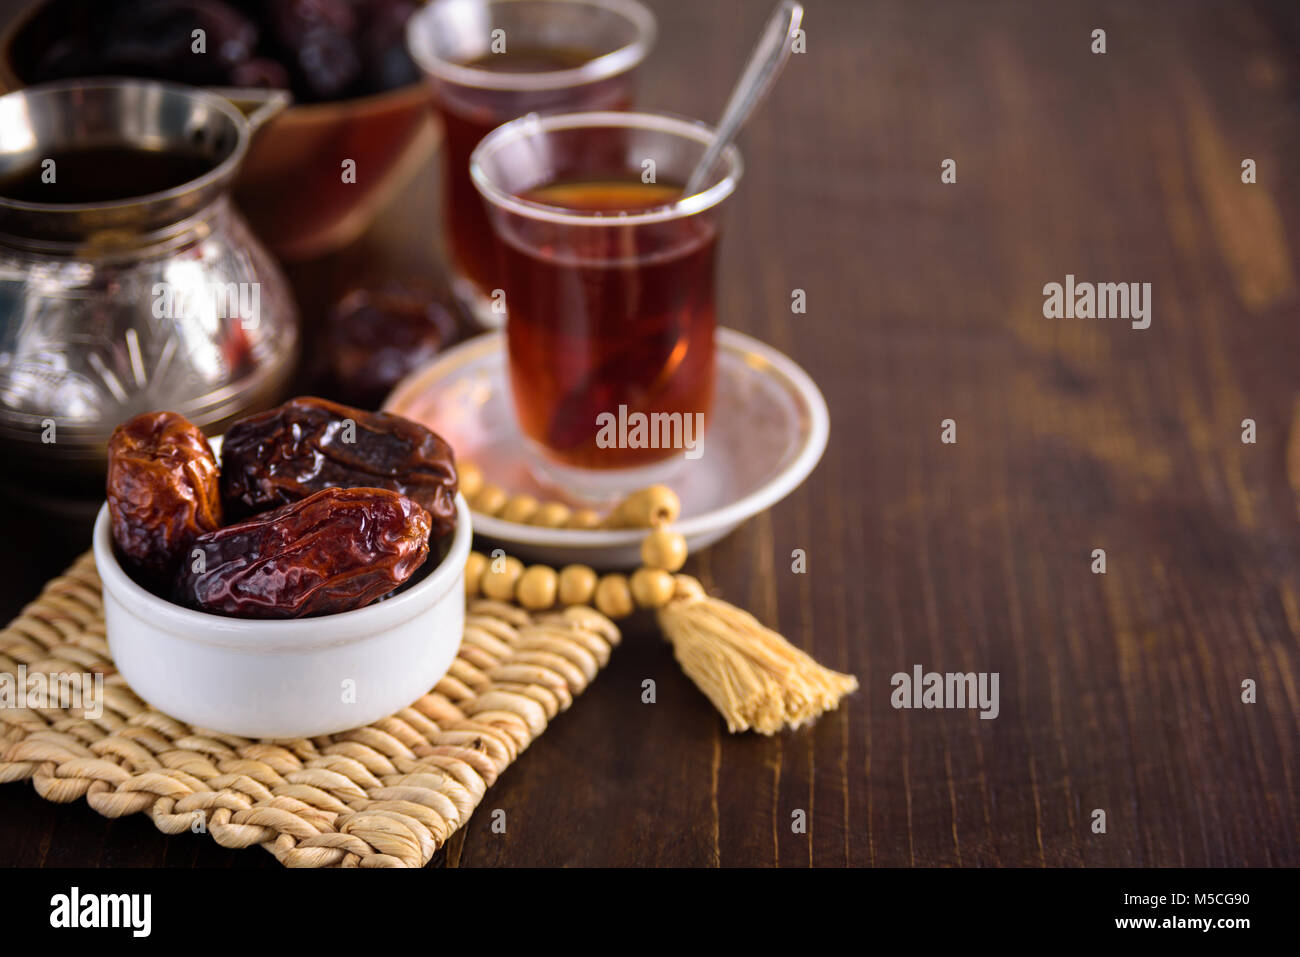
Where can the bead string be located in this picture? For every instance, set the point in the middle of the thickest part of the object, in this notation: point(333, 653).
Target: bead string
point(539, 587)
point(645, 508)
point(754, 677)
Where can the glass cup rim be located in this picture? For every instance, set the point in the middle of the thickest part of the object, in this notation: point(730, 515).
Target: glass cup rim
point(602, 67)
point(532, 124)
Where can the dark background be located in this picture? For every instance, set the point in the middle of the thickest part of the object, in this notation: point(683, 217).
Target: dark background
point(1119, 692)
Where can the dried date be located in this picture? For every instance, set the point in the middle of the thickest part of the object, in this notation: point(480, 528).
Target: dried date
point(337, 550)
point(162, 491)
point(376, 335)
point(309, 444)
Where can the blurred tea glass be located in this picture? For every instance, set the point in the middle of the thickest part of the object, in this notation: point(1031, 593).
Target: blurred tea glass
point(608, 271)
point(490, 61)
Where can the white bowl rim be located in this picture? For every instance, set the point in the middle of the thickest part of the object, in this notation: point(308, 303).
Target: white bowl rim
point(289, 634)
point(764, 496)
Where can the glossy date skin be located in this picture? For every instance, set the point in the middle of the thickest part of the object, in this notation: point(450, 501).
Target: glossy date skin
point(337, 550)
point(378, 334)
point(309, 444)
point(162, 491)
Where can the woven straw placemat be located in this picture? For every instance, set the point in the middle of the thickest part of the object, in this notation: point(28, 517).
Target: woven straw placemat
point(386, 795)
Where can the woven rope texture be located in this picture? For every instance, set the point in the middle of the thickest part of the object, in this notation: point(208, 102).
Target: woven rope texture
point(386, 795)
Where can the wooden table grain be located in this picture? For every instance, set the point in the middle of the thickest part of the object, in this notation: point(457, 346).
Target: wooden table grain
point(1120, 692)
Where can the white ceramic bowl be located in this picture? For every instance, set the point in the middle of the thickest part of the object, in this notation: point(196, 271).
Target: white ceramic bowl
point(292, 678)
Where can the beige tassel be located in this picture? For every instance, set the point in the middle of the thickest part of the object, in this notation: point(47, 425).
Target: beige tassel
point(753, 676)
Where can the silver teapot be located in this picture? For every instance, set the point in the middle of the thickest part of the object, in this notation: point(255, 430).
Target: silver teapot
point(110, 308)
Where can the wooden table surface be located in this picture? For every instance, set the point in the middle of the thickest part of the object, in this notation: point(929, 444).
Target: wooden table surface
point(1120, 692)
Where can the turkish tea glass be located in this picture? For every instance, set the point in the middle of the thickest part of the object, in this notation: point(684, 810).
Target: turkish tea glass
point(611, 316)
point(490, 61)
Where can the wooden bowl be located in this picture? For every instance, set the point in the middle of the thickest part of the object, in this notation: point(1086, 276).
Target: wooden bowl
point(291, 187)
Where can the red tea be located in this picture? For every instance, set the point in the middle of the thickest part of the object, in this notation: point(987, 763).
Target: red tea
point(468, 115)
point(608, 321)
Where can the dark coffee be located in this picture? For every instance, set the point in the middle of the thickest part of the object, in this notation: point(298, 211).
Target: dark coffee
point(102, 174)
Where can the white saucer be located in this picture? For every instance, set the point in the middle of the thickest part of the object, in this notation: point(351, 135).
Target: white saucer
point(767, 432)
